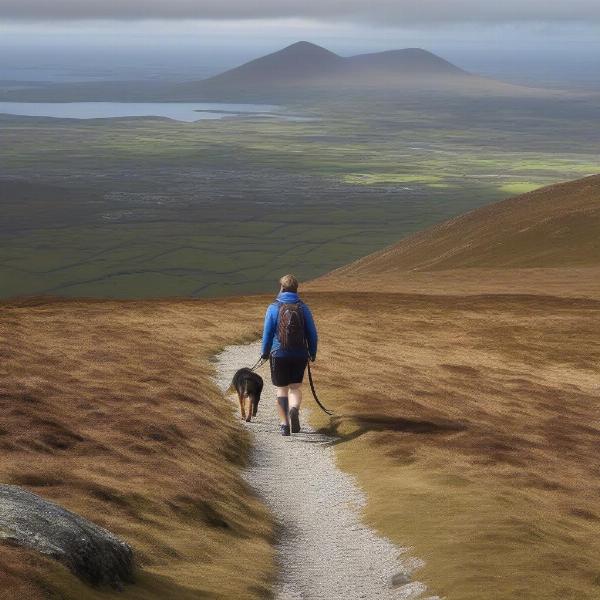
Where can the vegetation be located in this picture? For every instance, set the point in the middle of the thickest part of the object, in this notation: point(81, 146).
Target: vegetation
point(467, 410)
point(481, 456)
point(150, 207)
point(470, 422)
point(466, 396)
point(110, 410)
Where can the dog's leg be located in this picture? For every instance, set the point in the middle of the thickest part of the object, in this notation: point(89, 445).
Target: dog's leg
point(242, 410)
point(249, 408)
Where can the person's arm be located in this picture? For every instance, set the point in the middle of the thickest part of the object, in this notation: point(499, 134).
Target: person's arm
point(310, 330)
point(268, 332)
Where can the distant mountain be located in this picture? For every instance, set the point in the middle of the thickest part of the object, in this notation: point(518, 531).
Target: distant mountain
point(298, 62)
point(300, 71)
point(306, 66)
point(407, 62)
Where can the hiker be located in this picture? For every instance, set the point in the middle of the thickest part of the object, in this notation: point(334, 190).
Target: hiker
point(289, 340)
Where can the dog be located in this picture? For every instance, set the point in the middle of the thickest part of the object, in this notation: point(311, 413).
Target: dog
point(248, 386)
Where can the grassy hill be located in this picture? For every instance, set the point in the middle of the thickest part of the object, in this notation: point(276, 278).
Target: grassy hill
point(544, 241)
point(464, 361)
point(553, 226)
point(467, 411)
point(110, 410)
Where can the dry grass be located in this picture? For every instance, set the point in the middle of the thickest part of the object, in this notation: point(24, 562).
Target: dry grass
point(472, 422)
point(467, 390)
point(545, 242)
point(552, 227)
point(108, 408)
point(581, 282)
point(469, 401)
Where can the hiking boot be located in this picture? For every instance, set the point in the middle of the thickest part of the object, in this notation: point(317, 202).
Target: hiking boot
point(284, 429)
point(295, 419)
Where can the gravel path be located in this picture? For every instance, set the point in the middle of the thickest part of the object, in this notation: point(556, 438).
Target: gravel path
point(324, 551)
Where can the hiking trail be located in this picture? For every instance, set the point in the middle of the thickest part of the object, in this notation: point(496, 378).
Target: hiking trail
point(324, 550)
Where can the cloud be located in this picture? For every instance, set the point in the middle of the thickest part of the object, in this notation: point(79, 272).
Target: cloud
point(385, 12)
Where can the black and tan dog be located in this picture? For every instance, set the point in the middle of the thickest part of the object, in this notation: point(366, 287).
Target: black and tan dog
point(248, 386)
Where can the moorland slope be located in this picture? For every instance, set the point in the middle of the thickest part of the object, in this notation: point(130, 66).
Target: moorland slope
point(109, 409)
point(464, 365)
point(469, 418)
point(536, 242)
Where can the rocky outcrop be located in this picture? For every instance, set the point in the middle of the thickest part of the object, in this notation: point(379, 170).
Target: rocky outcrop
point(92, 553)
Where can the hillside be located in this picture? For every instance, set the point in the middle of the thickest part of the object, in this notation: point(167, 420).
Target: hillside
point(305, 63)
point(466, 413)
point(109, 409)
point(299, 62)
point(463, 365)
point(469, 422)
point(551, 232)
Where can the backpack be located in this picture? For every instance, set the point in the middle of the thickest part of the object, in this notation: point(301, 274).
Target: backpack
point(290, 326)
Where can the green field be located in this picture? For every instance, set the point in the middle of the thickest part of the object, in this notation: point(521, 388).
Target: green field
point(151, 207)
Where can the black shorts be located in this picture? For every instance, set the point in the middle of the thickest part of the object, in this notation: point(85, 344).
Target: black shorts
point(287, 369)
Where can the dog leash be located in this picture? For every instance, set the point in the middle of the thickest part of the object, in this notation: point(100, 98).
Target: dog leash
point(312, 383)
point(261, 361)
point(314, 392)
point(258, 363)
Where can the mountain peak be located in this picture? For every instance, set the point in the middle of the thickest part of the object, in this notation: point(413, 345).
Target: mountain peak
point(304, 48)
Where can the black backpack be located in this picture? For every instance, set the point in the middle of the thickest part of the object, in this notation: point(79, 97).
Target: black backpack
point(290, 326)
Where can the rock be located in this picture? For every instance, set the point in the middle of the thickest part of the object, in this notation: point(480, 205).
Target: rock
point(92, 553)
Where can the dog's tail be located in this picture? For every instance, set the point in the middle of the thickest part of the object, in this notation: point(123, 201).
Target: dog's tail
point(232, 389)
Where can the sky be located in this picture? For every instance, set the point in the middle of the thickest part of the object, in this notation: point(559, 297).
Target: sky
point(540, 36)
point(398, 12)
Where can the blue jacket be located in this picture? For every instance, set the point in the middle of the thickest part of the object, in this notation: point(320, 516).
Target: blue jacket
point(270, 341)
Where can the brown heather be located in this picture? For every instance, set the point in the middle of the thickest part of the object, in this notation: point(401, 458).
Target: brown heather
point(108, 408)
point(465, 365)
point(466, 395)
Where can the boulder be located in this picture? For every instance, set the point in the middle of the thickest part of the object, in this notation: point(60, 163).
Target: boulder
point(92, 553)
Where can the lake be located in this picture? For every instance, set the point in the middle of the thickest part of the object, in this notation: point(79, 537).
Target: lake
point(179, 111)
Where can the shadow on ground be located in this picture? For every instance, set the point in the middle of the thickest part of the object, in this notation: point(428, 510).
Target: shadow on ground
point(365, 423)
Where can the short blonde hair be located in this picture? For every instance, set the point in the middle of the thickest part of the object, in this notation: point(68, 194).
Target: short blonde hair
point(289, 283)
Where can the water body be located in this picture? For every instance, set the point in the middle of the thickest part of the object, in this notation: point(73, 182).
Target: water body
point(179, 111)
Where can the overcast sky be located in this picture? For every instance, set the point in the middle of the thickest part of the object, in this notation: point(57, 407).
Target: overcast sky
point(399, 12)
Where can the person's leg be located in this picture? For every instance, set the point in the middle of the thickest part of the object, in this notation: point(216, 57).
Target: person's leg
point(279, 378)
point(282, 405)
point(295, 399)
point(295, 395)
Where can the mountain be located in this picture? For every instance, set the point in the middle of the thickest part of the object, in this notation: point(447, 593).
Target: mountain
point(410, 61)
point(301, 70)
point(298, 62)
point(548, 238)
point(305, 66)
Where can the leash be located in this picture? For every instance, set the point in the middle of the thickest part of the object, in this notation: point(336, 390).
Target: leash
point(258, 363)
point(312, 383)
point(261, 361)
point(314, 392)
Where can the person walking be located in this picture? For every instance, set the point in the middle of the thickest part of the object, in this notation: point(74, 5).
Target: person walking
point(289, 340)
